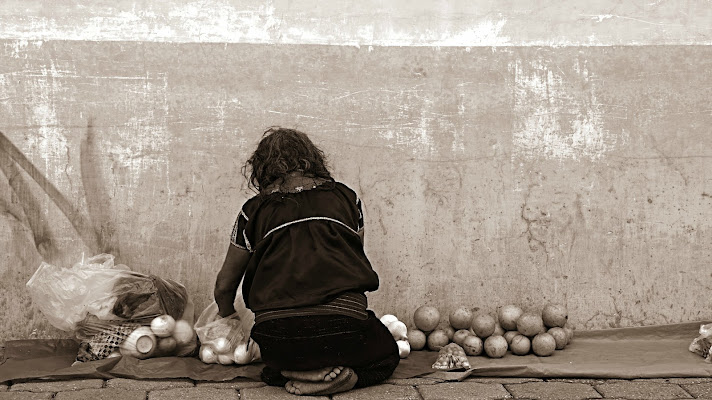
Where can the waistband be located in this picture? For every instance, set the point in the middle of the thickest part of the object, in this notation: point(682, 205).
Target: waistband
point(350, 304)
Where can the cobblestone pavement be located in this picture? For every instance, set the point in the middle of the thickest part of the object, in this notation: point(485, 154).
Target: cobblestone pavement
point(396, 389)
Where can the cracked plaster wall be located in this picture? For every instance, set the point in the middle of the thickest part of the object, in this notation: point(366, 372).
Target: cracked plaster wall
point(521, 173)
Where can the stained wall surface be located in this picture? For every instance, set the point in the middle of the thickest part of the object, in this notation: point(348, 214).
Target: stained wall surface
point(514, 163)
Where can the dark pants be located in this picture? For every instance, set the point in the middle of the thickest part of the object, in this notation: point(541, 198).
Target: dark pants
point(313, 342)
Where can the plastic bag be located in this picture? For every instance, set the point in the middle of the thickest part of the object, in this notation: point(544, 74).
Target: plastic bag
point(450, 357)
point(115, 311)
point(66, 295)
point(227, 340)
point(162, 334)
point(702, 344)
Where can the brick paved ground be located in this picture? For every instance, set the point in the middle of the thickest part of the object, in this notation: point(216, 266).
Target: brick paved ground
point(395, 389)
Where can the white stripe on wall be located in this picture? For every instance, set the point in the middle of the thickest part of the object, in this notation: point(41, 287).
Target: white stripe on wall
point(365, 23)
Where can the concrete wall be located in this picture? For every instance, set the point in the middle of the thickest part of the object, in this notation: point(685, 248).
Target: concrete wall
point(553, 155)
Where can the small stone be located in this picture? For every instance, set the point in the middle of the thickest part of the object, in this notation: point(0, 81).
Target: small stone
point(193, 394)
point(642, 390)
point(57, 386)
point(274, 393)
point(149, 384)
point(390, 392)
point(552, 390)
point(237, 384)
point(699, 389)
point(101, 394)
point(463, 391)
point(25, 395)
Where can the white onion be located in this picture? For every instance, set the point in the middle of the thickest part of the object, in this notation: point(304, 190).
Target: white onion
point(241, 355)
point(183, 332)
point(141, 343)
point(225, 359)
point(222, 345)
point(403, 348)
point(254, 349)
point(398, 330)
point(388, 318)
point(163, 325)
point(208, 354)
point(166, 346)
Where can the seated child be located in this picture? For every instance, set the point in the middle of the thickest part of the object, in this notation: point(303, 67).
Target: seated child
point(298, 245)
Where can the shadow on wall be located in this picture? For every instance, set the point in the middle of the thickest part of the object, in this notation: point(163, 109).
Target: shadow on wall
point(93, 224)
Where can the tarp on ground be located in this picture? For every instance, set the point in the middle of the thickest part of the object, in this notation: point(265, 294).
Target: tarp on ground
point(624, 353)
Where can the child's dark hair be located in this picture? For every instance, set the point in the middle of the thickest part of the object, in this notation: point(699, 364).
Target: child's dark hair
point(280, 152)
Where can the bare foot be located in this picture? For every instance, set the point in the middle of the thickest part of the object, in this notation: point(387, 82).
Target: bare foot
point(318, 375)
point(346, 380)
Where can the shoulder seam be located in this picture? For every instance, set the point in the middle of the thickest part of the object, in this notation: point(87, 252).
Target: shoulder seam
point(358, 198)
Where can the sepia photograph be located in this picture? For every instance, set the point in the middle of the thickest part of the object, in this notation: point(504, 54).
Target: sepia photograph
point(340, 200)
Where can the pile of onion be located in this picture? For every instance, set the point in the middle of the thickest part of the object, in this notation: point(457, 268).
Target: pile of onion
point(161, 338)
point(222, 351)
